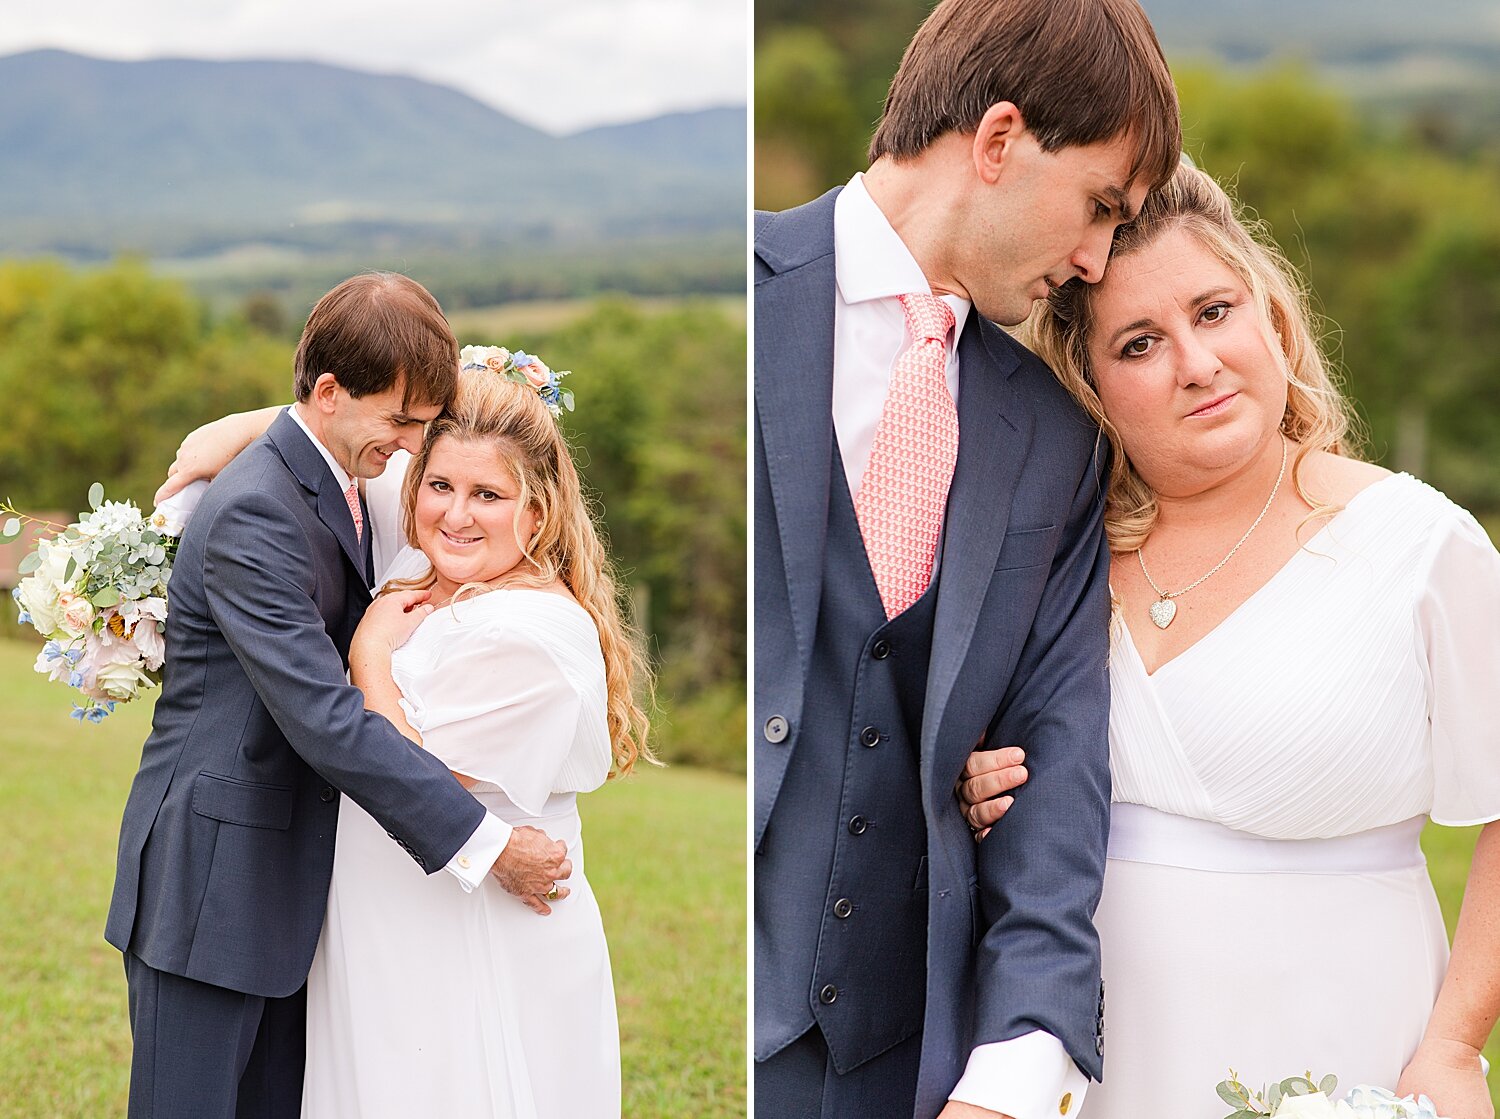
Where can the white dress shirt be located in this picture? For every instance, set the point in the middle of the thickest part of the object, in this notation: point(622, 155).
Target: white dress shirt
point(1027, 1077)
point(473, 860)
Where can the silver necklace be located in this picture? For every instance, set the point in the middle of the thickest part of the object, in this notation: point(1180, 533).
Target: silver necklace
point(1163, 610)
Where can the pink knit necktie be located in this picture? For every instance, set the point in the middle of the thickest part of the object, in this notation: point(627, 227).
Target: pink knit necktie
point(905, 487)
point(351, 495)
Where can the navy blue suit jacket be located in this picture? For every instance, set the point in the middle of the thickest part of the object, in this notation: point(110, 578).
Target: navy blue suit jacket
point(1019, 651)
point(226, 847)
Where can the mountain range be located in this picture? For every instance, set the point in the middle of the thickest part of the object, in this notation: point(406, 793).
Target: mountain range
point(184, 156)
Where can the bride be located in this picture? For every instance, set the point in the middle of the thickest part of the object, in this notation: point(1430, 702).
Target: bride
point(503, 652)
point(1305, 668)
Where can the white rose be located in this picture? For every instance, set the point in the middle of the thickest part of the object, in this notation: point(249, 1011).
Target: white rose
point(40, 590)
point(119, 681)
point(1315, 1106)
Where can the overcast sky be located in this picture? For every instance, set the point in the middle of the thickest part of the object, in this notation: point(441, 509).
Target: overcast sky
point(561, 65)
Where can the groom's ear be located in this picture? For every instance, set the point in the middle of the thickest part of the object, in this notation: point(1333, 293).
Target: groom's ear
point(325, 394)
point(995, 139)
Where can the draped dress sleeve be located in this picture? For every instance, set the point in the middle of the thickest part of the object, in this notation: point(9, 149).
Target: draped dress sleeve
point(512, 694)
point(1458, 633)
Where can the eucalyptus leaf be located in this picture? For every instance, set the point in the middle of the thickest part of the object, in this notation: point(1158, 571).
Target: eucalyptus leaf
point(1230, 1096)
point(1328, 1084)
point(70, 570)
point(567, 399)
point(108, 596)
point(11, 530)
point(29, 564)
point(1273, 1097)
point(96, 495)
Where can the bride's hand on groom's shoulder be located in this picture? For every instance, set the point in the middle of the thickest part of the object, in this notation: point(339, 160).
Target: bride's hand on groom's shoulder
point(984, 787)
point(1450, 1074)
point(390, 620)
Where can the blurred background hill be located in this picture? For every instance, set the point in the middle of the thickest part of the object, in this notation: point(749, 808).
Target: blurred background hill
point(284, 176)
point(1366, 136)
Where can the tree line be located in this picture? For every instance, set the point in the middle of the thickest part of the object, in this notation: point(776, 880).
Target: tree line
point(104, 370)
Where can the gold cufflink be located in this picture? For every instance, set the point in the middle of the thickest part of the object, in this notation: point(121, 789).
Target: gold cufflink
point(1065, 1104)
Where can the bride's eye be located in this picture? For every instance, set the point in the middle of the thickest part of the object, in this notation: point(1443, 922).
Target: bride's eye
point(1139, 346)
point(438, 487)
point(1215, 312)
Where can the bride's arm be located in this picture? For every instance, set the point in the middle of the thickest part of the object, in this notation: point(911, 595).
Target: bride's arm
point(387, 624)
point(209, 449)
point(1446, 1066)
point(529, 856)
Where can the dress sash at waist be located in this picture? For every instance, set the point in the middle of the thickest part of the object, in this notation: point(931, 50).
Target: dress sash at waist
point(1140, 834)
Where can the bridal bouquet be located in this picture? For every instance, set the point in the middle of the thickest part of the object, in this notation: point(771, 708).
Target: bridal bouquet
point(96, 590)
point(1298, 1097)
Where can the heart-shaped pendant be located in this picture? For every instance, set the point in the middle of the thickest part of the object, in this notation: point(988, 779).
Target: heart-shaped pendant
point(1163, 610)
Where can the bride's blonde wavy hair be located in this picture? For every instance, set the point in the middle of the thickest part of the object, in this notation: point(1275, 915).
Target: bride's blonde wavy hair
point(1317, 418)
point(510, 417)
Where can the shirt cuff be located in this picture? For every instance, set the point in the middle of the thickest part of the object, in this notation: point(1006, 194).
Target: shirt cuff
point(1027, 1077)
point(478, 854)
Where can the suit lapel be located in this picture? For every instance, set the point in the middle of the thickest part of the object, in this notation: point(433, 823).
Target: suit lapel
point(794, 402)
point(995, 428)
point(308, 467)
point(794, 418)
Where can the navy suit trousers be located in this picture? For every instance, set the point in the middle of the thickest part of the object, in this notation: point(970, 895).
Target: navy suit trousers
point(800, 1082)
point(206, 1052)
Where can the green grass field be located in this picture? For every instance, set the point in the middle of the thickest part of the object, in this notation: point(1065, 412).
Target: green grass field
point(666, 853)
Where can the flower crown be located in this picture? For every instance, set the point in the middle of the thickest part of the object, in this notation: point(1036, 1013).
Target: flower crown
point(523, 369)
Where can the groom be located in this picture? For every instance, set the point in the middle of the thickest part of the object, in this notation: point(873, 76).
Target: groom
point(931, 569)
point(226, 846)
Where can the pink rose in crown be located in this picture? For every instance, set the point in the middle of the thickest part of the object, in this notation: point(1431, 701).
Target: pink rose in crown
point(496, 362)
point(537, 374)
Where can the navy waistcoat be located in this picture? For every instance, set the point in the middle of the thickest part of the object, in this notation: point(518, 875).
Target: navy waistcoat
point(861, 973)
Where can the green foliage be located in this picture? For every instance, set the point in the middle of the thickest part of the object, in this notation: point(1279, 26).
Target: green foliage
point(104, 371)
point(660, 439)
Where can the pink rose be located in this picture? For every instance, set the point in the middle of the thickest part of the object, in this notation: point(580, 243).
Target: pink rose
point(537, 374)
point(77, 611)
point(495, 362)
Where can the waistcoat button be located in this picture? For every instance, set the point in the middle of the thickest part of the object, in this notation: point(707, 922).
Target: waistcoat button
point(842, 908)
point(870, 736)
point(828, 994)
point(857, 825)
point(881, 649)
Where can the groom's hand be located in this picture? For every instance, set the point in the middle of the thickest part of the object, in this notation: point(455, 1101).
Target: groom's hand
point(956, 1110)
point(531, 865)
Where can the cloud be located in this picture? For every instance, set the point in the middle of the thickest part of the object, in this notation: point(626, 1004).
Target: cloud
point(559, 66)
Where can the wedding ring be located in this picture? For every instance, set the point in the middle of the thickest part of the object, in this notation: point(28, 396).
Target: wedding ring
point(551, 895)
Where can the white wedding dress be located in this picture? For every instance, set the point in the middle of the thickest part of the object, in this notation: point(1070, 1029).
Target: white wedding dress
point(1266, 906)
point(427, 1001)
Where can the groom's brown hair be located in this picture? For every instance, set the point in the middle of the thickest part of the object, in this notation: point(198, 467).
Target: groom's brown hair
point(1080, 71)
point(375, 330)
